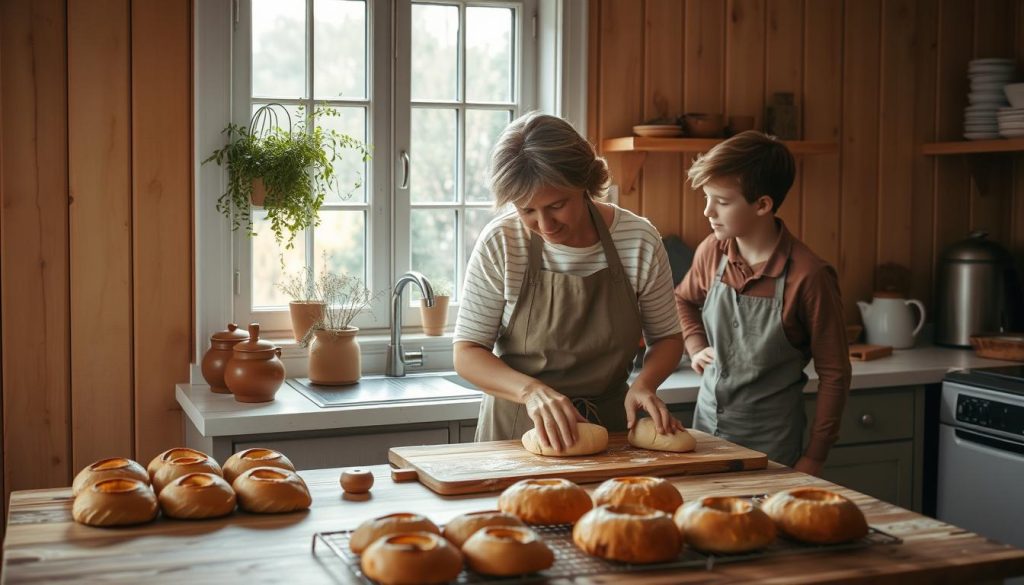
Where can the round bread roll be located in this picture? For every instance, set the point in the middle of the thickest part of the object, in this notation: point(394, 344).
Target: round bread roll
point(645, 436)
point(410, 558)
point(197, 495)
point(653, 492)
point(269, 490)
point(545, 501)
point(175, 468)
point(628, 533)
point(816, 515)
point(507, 550)
point(460, 528)
point(115, 502)
point(111, 468)
point(725, 525)
point(371, 530)
point(245, 460)
point(169, 455)
point(593, 439)
point(356, 481)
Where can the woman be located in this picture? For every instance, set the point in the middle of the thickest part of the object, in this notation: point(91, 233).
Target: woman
point(557, 293)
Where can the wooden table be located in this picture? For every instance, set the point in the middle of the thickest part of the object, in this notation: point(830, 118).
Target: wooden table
point(43, 544)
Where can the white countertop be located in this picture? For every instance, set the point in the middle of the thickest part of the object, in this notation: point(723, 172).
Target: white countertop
point(215, 415)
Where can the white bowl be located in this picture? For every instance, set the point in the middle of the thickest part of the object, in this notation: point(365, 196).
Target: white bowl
point(986, 98)
point(980, 135)
point(1015, 94)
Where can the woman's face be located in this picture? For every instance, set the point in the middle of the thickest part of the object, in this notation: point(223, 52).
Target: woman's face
point(559, 216)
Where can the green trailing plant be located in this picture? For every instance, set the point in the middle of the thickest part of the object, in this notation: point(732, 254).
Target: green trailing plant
point(295, 163)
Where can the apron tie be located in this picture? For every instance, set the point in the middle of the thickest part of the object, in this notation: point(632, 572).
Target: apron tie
point(587, 408)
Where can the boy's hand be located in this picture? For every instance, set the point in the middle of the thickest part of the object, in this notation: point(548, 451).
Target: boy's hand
point(702, 359)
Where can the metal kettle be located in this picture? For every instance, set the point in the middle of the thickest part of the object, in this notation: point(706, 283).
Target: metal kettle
point(978, 291)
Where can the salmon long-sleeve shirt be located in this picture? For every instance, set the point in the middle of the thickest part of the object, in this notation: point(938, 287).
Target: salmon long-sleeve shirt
point(812, 316)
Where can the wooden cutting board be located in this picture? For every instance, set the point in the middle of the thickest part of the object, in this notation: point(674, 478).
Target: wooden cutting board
point(470, 468)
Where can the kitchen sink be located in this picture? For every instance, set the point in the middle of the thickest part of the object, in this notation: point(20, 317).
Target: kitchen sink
point(369, 390)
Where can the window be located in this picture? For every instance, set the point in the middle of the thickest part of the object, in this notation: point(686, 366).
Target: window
point(431, 101)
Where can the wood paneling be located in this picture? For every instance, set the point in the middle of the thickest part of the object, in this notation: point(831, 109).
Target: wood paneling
point(95, 232)
point(161, 216)
point(99, 177)
point(622, 103)
point(878, 77)
point(34, 250)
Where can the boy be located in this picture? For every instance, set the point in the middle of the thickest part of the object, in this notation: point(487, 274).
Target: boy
point(756, 306)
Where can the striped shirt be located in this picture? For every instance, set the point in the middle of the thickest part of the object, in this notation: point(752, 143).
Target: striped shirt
point(498, 265)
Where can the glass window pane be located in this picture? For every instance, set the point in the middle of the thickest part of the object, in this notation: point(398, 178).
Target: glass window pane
point(339, 39)
point(435, 52)
point(340, 241)
point(476, 219)
point(267, 258)
point(482, 130)
point(489, 54)
point(350, 169)
point(433, 244)
point(433, 139)
point(279, 48)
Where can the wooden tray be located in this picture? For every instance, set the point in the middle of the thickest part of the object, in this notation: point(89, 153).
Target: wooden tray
point(867, 352)
point(490, 466)
point(1000, 346)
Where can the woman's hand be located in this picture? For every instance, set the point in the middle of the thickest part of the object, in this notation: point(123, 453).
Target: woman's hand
point(702, 359)
point(553, 415)
point(641, 397)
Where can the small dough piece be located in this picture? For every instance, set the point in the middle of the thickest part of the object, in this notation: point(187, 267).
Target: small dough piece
point(593, 439)
point(645, 435)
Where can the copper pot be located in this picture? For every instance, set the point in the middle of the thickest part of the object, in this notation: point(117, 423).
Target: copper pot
point(215, 360)
point(255, 371)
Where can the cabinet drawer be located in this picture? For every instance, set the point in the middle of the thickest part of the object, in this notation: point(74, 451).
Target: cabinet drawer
point(348, 450)
point(872, 416)
point(882, 471)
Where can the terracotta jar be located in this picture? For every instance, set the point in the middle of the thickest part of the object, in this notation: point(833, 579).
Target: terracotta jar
point(334, 357)
point(255, 371)
point(215, 360)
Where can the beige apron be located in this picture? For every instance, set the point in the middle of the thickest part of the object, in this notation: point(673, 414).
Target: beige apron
point(752, 394)
point(577, 334)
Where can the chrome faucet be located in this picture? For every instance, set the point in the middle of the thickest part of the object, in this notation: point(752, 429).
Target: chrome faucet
point(398, 359)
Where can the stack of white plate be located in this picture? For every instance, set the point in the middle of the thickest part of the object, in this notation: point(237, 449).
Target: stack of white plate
point(1011, 122)
point(988, 77)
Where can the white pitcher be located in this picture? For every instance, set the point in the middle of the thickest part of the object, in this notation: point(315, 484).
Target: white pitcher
point(888, 320)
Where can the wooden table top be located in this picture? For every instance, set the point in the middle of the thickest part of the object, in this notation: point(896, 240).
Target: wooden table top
point(43, 543)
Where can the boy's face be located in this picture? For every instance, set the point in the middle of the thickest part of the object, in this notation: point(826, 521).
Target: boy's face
point(730, 214)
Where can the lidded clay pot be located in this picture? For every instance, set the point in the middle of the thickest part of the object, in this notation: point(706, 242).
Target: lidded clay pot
point(255, 372)
point(215, 360)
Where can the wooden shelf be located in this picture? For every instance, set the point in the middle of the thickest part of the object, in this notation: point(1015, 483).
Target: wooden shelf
point(974, 146)
point(642, 144)
point(633, 151)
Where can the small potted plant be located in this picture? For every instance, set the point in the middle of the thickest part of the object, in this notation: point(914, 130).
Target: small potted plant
point(334, 355)
point(286, 170)
point(305, 308)
point(435, 318)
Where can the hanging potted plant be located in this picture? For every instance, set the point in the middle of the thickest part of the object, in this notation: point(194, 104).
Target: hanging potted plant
point(287, 169)
point(304, 306)
point(334, 355)
point(435, 318)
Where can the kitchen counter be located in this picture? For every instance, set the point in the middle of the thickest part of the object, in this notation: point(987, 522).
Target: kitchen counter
point(43, 544)
point(215, 415)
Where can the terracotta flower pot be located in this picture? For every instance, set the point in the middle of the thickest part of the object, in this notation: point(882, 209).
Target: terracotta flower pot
point(334, 357)
point(259, 192)
point(436, 317)
point(305, 314)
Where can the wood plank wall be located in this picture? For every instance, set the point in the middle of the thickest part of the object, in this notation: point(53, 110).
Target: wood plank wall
point(879, 77)
point(95, 235)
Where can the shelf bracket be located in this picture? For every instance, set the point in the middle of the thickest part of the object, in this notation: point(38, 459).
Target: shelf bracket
point(632, 162)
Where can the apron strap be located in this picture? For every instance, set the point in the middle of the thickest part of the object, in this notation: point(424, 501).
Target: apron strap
point(780, 284)
point(721, 268)
point(611, 254)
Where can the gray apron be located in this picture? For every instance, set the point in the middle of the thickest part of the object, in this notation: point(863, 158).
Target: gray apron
point(752, 394)
point(577, 334)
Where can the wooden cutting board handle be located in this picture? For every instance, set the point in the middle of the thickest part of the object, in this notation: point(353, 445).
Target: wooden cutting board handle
point(866, 352)
point(403, 474)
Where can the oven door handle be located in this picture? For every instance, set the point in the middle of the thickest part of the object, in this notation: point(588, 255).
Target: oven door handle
point(989, 441)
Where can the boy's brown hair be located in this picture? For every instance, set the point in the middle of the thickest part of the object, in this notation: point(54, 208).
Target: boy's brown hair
point(761, 164)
